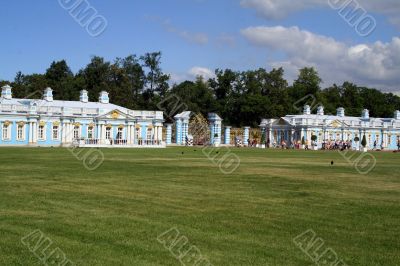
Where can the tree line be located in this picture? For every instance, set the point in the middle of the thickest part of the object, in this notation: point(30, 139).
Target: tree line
point(241, 98)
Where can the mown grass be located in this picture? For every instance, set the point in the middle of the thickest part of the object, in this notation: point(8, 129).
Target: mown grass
point(113, 215)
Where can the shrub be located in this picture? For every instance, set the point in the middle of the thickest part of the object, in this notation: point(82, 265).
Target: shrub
point(314, 138)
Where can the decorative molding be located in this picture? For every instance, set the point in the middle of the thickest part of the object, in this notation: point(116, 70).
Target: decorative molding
point(56, 123)
point(115, 114)
point(7, 123)
point(42, 123)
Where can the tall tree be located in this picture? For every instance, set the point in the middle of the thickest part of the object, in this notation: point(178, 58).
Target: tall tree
point(156, 80)
point(60, 77)
point(96, 75)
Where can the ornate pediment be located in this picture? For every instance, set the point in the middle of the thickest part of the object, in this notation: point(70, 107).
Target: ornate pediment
point(281, 122)
point(115, 115)
point(337, 124)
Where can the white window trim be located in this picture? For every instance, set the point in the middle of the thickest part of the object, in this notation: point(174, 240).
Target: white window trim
point(151, 134)
point(9, 132)
point(44, 133)
point(93, 132)
point(120, 130)
point(109, 129)
point(23, 133)
point(58, 133)
point(79, 132)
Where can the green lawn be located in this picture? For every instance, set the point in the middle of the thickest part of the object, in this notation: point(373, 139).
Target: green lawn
point(113, 215)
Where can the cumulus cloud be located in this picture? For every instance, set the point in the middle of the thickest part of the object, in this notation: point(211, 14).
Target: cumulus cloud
point(192, 74)
point(376, 64)
point(206, 73)
point(278, 9)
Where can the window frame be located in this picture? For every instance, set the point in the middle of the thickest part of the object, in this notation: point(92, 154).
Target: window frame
point(7, 128)
point(77, 133)
point(22, 138)
point(108, 134)
point(43, 137)
point(53, 131)
point(91, 131)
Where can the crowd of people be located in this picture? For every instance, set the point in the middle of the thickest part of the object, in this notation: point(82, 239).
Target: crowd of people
point(326, 144)
point(337, 145)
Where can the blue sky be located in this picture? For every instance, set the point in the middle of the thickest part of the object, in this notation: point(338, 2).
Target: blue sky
point(197, 36)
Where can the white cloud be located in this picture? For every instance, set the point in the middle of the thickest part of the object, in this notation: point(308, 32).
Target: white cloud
point(376, 64)
point(278, 9)
point(206, 73)
point(199, 38)
point(192, 74)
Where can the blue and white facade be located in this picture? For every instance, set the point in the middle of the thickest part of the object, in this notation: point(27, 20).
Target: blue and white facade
point(48, 122)
point(382, 132)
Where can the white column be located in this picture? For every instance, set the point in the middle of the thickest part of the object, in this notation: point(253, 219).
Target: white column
point(30, 132)
point(103, 133)
point(34, 132)
point(64, 132)
point(160, 137)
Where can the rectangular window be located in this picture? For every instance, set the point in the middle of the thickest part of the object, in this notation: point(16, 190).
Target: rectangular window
point(90, 133)
point(20, 132)
point(6, 132)
point(149, 134)
point(137, 133)
point(108, 133)
point(76, 132)
point(55, 133)
point(119, 135)
point(41, 133)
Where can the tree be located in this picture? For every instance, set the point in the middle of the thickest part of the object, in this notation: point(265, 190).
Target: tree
point(307, 84)
point(60, 78)
point(96, 75)
point(135, 78)
point(156, 80)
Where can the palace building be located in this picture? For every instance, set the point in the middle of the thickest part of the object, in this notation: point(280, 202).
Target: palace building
point(384, 132)
point(48, 122)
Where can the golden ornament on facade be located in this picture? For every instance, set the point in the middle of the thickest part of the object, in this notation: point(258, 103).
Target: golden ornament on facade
point(56, 123)
point(21, 123)
point(150, 127)
point(7, 123)
point(77, 124)
point(137, 126)
point(115, 114)
point(42, 123)
point(121, 126)
point(108, 126)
